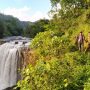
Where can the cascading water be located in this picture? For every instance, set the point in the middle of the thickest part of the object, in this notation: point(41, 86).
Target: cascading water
point(9, 59)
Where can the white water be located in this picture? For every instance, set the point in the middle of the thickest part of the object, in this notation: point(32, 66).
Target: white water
point(9, 57)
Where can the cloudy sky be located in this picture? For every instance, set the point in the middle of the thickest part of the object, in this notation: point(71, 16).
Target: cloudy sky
point(26, 10)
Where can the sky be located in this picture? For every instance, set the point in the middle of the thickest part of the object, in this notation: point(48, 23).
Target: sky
point(26, 10)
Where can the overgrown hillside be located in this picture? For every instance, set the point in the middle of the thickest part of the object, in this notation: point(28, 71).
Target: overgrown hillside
point(57, 62)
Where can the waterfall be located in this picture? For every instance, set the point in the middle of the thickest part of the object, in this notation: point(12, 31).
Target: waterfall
point(9, 58)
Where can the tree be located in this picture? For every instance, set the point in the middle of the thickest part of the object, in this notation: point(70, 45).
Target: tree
point(2, 29)
point(68, 4)
point(38, 26)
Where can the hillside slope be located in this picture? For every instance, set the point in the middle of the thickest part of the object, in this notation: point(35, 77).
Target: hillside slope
point(55, 63)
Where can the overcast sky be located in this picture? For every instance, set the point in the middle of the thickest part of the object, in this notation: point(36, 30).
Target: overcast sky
point(26, 10)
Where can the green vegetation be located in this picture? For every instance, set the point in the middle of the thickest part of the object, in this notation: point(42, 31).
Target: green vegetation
point(36, 27)
point(11, 26)
point(59, 64)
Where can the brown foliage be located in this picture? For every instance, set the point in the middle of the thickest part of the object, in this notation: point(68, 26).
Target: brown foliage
point(30, 57)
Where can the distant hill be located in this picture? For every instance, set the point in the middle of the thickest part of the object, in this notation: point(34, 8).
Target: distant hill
point(10, 18)
point(11, 26)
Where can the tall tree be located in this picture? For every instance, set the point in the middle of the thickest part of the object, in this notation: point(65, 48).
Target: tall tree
point(68, 4)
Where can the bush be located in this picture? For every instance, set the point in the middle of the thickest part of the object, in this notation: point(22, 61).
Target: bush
point(66, 73)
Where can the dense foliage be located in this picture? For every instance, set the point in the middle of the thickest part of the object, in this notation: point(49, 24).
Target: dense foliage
point(33, 29)
point(11, 26)
point(59, 64)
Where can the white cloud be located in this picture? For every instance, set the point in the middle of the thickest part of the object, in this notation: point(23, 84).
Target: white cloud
point(25, 13)
point(39, 15)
